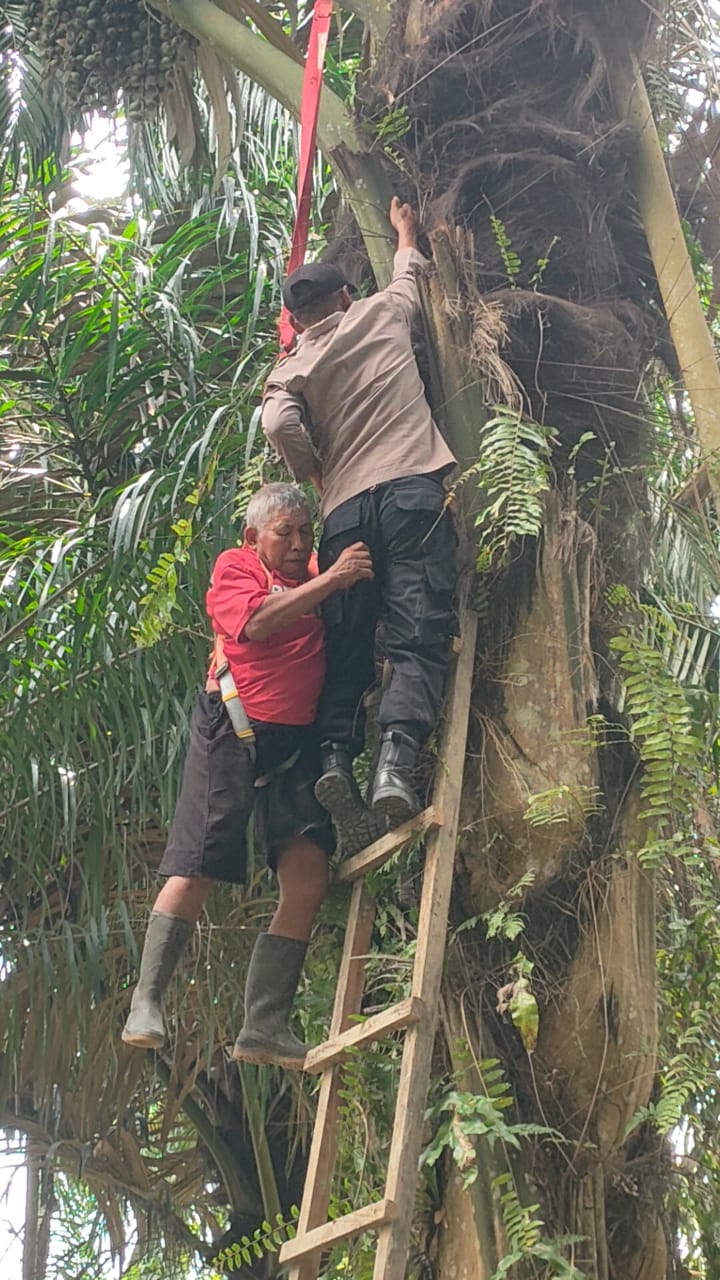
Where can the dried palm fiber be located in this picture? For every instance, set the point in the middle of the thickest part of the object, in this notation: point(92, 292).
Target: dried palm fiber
point(514, 137)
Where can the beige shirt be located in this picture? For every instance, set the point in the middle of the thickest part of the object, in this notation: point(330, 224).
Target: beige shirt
point(350, 402)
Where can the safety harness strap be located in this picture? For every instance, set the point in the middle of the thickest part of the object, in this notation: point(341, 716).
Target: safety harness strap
point(309, 111)
point(231, 698)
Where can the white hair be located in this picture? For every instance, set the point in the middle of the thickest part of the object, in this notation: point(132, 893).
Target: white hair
point(270, 500)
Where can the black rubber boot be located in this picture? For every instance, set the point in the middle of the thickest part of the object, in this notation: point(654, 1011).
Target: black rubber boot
point(272, 979)
point(338, 792)
point(165, 941)
point(394, 799)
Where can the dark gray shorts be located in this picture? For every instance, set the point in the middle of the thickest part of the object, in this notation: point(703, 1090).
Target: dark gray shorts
point(217, 797)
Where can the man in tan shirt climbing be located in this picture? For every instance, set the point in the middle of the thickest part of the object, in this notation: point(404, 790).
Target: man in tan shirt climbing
point(347, 410)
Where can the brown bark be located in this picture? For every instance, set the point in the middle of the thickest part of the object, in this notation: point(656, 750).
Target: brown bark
point(647, 1258)
point(460, 1250)
point(539, 743)
point(597, 1046)
point(587, 1219)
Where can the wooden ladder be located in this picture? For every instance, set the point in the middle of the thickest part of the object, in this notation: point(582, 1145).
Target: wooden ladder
point(391, 1216)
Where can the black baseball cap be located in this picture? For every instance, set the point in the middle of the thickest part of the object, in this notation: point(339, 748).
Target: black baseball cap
point(311, 283)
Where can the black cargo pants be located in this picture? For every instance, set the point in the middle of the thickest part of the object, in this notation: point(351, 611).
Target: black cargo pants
point(412, 540)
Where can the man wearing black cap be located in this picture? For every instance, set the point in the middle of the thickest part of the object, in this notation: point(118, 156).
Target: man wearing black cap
point(347, 410)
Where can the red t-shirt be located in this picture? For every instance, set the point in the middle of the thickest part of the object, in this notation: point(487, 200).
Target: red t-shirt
point(279, 679)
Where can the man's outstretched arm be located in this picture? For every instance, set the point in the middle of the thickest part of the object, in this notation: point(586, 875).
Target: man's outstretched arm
point(408, 259)
point(404, 221)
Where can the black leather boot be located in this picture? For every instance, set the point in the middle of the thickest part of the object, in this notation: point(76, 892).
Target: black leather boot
point(394, 799)
point(338, 792)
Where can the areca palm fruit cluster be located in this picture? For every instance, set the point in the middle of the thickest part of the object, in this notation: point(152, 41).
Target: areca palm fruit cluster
point(95, 50)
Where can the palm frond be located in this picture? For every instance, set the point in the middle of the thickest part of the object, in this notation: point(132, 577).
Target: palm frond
point(132, 356)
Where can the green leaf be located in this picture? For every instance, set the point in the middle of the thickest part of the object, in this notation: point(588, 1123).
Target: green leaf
point(524, 1013)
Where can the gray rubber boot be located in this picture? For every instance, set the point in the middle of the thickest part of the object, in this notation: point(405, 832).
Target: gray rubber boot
point(165, 941)
point(272, 978)
point(338, 792)
point(394, 799)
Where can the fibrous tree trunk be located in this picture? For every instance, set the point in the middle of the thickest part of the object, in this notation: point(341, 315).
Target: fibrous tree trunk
point(515, 144)
point(501, 149)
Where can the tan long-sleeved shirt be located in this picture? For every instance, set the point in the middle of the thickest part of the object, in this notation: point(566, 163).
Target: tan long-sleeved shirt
point(349, 401)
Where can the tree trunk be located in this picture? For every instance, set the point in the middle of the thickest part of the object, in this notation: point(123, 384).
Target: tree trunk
point(546, 801)
point(38, 1212)
point(32, 1216)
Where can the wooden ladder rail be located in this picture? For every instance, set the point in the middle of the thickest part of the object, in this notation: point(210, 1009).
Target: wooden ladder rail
point(391, 1217)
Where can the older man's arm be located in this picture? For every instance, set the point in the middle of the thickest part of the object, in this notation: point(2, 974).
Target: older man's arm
point(283, 425)
point(279, 609)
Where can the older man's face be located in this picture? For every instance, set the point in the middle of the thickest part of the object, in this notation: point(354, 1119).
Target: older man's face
point(285, 542)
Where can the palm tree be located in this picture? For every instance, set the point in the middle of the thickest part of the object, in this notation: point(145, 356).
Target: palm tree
point(585, 827)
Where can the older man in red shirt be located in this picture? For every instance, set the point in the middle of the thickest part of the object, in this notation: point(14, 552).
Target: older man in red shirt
point(263, 604)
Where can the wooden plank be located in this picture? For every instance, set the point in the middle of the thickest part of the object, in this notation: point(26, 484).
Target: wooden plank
point(393, 1240)
point(404, 1014)
point(370, 1217)
point(323, 1150)
point(377, 853)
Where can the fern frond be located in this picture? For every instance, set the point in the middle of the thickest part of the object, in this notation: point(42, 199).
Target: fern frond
point(661, 725)
point(513, 472)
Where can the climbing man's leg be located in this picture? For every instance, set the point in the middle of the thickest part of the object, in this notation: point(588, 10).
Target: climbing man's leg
point(206, 844)
point(176, 911)
point(419, 619)
point(301, 862)
point(350, 619)
point(303, 877)
point(184, 896)
point(278, 958)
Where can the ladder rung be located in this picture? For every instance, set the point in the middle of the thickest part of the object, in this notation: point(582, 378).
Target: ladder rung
point(404, 1014)
point(370, 1217)
point(378, 852)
